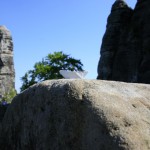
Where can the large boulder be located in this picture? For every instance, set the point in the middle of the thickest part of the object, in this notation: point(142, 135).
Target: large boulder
point(78, 115)
point(125, 50)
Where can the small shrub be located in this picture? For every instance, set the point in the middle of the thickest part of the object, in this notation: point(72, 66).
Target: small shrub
point(7, 97)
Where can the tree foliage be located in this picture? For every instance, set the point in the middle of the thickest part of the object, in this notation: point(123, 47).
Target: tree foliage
point(49, 68)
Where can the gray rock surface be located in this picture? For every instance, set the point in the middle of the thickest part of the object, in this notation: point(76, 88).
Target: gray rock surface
point(125, 50)
point(78, 115)
point(7, 73)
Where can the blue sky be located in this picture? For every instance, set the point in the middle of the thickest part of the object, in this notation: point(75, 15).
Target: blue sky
point(39, 27)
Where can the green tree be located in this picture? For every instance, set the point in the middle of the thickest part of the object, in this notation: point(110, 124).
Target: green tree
point(49, 68)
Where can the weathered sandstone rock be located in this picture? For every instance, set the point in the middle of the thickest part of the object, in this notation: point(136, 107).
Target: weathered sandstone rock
point(125, 50)
point(7, 73)
point(78, 115)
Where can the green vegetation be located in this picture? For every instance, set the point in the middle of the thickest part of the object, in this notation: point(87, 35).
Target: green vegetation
point(49, 68)
point(9, 96)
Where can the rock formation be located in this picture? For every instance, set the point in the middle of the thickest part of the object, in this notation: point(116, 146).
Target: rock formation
point(3, 109)
point(78, 115)
point(7, 73)
point(125, 49)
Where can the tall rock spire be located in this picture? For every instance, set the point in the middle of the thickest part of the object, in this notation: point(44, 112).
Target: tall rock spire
point(117, 23)
point(119, 4)
point(7, 73)
point(125, 50)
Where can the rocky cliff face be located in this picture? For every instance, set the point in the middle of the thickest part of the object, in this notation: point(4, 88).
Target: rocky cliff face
point(7, 73)
point(125, 50)
point(78, 115)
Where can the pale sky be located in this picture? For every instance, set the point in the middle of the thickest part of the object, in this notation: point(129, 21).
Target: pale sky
point(39, 27)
